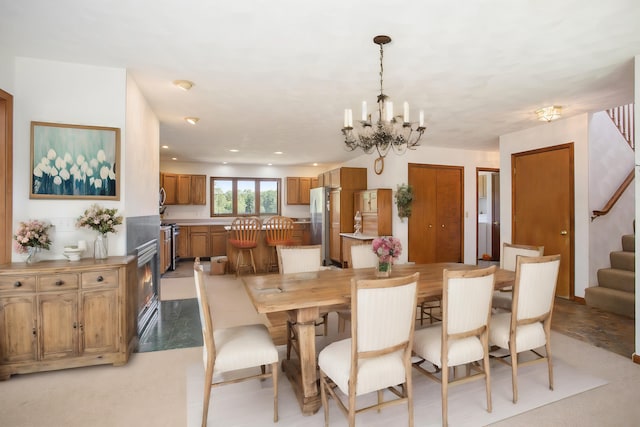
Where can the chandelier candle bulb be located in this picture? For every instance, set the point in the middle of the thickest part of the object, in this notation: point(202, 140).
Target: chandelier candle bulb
point(406, 112)
point(421, 119)
point(350, 118)
point(389, 108)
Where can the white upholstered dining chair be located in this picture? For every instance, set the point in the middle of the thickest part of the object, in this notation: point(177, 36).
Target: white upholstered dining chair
point(233, 349)
point(300, 259)
point(377, 357)
point(463, 335)
point(510, 252)
point(528, 326)
point(362, 256)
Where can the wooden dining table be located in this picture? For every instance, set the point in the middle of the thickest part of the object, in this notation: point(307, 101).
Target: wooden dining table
point(304, 295)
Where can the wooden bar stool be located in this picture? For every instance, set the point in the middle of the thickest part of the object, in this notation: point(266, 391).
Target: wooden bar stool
point(278, 231)
point(244, 237)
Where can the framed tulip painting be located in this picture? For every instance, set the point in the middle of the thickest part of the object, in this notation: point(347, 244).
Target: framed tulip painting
point(74, 161)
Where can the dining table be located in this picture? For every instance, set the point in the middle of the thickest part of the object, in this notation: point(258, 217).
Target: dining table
point(303, 296)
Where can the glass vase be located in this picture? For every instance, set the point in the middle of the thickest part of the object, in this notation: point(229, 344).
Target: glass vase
point(383, 269)
point(100, 247)
point(33, 255)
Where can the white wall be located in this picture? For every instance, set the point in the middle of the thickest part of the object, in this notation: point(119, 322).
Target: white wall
point(58, 92)
point(141, 155)
point(610, 161)
point(396, 172)
point(7, 72)
point(573, 129)
point(251, 171)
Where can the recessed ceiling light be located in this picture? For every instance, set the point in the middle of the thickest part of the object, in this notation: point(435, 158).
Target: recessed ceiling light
point(224, 163)
point(233, 150)
point(192, 120)
point(165, 146)
point(269, 164)
point(183, 84)
point(315, 164)
point(277, 152)
point(174, 158)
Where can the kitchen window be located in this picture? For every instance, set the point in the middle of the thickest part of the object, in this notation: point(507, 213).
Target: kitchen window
point(245, 196)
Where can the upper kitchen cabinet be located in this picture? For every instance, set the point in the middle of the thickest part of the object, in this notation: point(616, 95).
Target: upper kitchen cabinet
point(344, 178)
point(298, 190)
point(183, 189)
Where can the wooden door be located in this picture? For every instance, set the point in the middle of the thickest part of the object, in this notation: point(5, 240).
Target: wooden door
point(17, 329)
point(435, 224)
point(334, 226)
point(543, 206)
point(495, 215)
point(58, 329)
point(184, 189)
point(6, 174)
point(99, 321)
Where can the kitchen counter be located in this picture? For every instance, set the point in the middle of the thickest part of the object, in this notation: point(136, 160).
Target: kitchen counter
point(358, 236)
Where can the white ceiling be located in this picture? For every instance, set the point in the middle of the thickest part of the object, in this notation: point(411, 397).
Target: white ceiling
point(277, 75)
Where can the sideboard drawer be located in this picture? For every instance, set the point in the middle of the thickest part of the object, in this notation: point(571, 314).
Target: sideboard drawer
point(17, 283)
point(57, 282)
point(103, 278)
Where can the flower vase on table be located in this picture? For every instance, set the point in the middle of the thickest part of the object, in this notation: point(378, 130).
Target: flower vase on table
point(33, 255)
point(100, 248)
point(383, 269)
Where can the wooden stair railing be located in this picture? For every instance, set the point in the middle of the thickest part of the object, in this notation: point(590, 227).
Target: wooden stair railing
point(605, 210)
point(623, 119)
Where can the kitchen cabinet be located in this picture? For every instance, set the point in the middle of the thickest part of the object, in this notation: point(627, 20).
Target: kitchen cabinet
point(165, 249)
point(218, 240)
point(183, 189)
point(298, 190)
point(58, 315)
point(202, 241)
point(169, 181)
point(347, 242)
point(375, 206)
point(301, 234)
point(344, 178)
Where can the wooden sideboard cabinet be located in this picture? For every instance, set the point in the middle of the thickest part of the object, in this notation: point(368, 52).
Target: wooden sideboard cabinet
point(376, 207)
point(60, 314)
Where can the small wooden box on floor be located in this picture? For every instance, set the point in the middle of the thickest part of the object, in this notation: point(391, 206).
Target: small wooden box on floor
point(61, 314)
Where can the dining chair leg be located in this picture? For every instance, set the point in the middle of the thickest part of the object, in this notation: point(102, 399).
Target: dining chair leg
point(323, 397)
point(445, 392)
point(547, 347)
point(208, 380)
point(514, 373)
point(487, 371)
point(253, 264)
point(274, 376)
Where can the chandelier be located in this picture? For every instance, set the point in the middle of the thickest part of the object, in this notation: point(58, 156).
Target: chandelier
point(389, 132)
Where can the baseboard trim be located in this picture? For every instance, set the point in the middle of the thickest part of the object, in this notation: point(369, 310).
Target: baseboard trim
point(636, 358)
point(579, 300)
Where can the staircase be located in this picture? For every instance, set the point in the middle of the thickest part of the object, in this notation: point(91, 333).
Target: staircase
point(615, 292)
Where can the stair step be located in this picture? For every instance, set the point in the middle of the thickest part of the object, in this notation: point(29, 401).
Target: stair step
point(623, 260)
point(611, 300)
point(629, 243)
point(621, 280)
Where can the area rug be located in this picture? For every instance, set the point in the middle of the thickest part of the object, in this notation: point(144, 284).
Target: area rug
point(251, 403)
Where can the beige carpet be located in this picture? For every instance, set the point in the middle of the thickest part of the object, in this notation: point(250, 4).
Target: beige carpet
point(162, 389)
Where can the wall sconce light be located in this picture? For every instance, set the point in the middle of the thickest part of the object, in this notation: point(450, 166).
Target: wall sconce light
point(183, 84)
point(548, 114)
point(191, 120)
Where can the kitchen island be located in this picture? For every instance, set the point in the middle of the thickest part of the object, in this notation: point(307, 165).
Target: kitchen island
point(209, 238)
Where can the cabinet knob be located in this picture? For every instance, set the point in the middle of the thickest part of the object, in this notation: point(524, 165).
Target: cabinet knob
point(17, 284)
point(100, 279)
point(430, 226)
point(442, 225)
point(59, 282)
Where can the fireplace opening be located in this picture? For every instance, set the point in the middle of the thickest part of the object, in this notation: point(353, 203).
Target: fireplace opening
point(148, 282)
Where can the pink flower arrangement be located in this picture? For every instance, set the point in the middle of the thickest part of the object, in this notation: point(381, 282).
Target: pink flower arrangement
point(32, 234)
point(388, 248)
point(100, 219)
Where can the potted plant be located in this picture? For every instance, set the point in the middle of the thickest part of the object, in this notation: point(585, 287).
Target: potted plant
point(404, 197)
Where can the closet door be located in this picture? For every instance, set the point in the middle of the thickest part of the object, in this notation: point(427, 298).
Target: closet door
point(435, 225)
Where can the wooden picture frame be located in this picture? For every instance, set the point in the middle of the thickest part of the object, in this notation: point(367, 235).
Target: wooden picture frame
point(74, 162)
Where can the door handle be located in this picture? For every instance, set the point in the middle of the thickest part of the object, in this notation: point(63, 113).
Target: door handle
point(496, 223)
point(564, 233)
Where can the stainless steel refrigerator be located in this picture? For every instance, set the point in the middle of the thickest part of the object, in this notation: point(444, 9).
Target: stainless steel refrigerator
point(319, 206)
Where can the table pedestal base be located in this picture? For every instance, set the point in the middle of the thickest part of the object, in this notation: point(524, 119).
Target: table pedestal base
point(309, 405)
